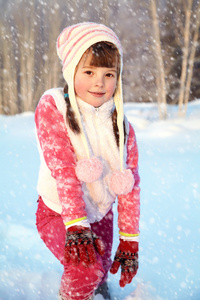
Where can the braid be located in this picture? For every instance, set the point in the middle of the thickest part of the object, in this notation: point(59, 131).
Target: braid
point(115, 127)
point(70, 116)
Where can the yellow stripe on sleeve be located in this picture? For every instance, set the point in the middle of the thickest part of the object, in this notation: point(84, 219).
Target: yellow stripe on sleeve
point(128, 234)
point(75, 221)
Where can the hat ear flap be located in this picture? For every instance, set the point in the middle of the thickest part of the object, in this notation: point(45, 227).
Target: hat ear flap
point(118, 99)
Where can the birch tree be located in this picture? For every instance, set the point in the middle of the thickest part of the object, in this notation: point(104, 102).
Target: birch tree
point(160, 74)
point(191, 59)
point(189, 49)
point(185, 55)
point(49, 67)
point(9, 100)
point(26, 42)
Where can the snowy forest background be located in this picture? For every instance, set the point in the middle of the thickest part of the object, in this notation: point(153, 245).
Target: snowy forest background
point(160, 39)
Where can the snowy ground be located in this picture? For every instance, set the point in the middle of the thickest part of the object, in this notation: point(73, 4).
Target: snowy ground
point(170, 210)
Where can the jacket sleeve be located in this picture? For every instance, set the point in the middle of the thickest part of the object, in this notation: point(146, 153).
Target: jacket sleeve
point(129, 205)
point(60, 158)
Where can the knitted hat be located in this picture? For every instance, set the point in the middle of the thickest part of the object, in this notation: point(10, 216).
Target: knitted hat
point(71, 45)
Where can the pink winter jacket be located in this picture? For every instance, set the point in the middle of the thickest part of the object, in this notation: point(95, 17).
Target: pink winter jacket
point(57, 173)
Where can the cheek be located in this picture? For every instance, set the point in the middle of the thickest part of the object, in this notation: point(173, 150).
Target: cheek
point(78, 86)
point(113, 86)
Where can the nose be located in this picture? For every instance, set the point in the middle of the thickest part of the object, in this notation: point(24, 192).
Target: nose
point(99, 81)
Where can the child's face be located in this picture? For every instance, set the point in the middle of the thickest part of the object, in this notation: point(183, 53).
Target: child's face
point(94, 85)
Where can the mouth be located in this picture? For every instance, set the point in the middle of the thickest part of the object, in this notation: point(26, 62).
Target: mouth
point(97, 94)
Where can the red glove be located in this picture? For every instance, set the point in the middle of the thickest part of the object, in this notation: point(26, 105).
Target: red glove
point(127, 257)
point(80, 246)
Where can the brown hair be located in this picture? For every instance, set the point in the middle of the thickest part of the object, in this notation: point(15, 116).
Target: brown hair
point(103, 54)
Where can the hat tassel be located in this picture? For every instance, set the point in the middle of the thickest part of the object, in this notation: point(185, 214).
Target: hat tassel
point(89, 169)
point(122, 182)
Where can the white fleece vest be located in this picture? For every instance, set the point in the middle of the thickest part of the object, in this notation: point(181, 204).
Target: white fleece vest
point(98, 129)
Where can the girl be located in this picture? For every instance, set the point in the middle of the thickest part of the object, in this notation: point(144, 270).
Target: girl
point(89, 156)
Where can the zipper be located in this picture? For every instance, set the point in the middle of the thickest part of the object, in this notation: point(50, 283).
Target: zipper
point(97, 111)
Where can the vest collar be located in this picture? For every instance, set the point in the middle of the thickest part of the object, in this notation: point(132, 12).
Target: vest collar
point(104, 111)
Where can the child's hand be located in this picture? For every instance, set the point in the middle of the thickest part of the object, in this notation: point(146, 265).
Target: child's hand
point(127, 257)
point(80, 246)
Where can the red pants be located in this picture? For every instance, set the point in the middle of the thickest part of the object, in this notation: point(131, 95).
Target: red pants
point(77, 282)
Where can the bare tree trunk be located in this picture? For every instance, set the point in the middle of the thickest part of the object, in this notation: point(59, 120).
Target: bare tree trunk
point(54, 61)
point(8, 74)
point(185, 57)
point(160, 75)
point(27, 59)
point(191, 60)
point(50, 67)
point(105, 10)
point(1, 68)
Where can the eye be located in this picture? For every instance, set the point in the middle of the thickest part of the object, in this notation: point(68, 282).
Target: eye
point(110, 75)
point(88, 72)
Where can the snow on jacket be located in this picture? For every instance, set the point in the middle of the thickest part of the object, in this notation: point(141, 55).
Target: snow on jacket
point(60, 149)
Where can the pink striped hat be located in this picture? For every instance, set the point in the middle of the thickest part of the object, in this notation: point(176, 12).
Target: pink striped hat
point(71, 45)
point(76, 39)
